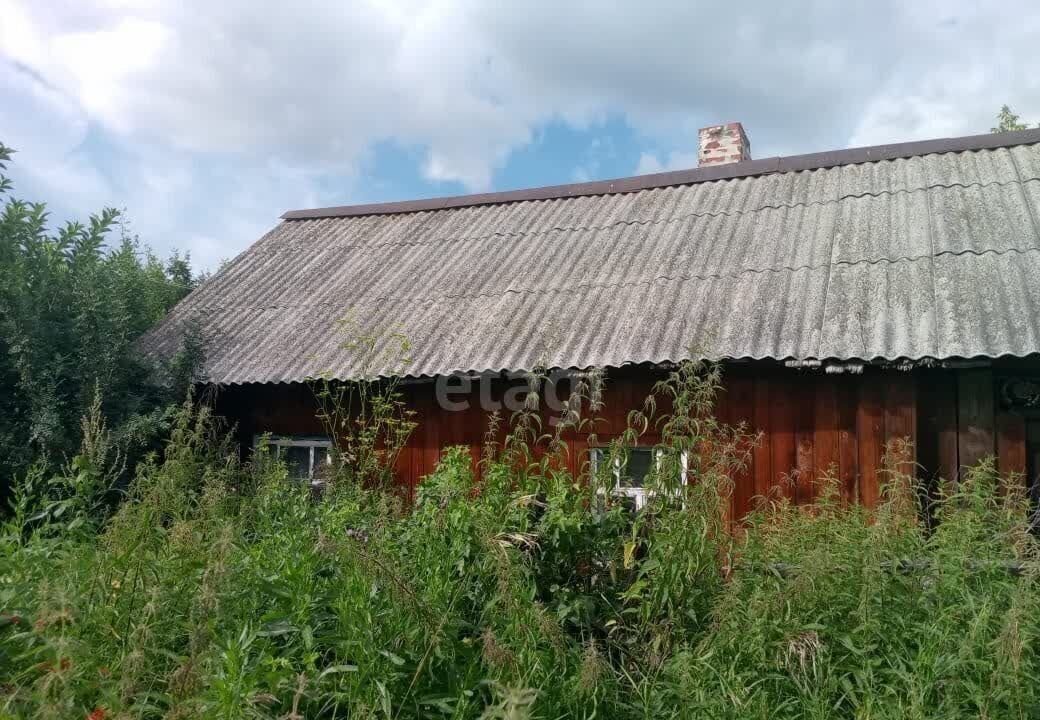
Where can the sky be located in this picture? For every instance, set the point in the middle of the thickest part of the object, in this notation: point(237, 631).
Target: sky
point(205, 121)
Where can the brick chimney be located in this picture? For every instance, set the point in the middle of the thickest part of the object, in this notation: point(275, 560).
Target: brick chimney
point(723, 144)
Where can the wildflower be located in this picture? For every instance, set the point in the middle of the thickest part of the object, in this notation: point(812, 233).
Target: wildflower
point(116, 584)
point(99, 713)
point(104, 672)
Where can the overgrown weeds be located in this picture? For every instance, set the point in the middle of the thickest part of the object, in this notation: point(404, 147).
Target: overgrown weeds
point(223, 589)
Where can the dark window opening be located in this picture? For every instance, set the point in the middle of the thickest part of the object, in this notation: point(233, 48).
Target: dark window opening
point(630, 476)
point(305, 457)
point(638, 467)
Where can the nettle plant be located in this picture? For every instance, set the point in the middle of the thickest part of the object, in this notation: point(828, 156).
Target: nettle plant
point(633, 582)
point(366, 417)
point(221, 589)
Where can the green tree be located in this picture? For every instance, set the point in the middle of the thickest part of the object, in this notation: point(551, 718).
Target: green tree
point(71, 307)
point(1008, 121)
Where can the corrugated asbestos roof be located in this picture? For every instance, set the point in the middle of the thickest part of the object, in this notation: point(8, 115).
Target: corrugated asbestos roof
point(934, 255)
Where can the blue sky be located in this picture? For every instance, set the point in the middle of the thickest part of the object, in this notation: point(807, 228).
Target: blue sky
point(206, 121)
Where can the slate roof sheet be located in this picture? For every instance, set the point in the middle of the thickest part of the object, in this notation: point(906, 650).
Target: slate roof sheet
point(925, 255)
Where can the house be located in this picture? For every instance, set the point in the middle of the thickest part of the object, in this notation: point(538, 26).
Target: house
point(854, 297)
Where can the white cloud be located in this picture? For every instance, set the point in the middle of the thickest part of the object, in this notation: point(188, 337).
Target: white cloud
point(221, 115)
point(100, 66)
point(649, 163)
point(210, 205)
point(45, 126)
point(318, 84)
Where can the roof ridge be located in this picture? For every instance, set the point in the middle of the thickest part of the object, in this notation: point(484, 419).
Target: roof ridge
point(628, 222)
point(748, 168)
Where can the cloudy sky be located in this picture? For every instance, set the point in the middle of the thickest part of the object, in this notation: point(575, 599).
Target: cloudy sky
point(207, 120)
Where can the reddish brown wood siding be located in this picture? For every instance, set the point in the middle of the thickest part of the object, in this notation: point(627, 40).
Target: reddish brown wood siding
point(812, 425)
point(962, 421)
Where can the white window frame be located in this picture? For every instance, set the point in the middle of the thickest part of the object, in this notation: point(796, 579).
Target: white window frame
point(638, 494)
point(308, 441)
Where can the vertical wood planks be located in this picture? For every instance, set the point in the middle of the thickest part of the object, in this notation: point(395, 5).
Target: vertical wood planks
point(870, 430)
point(810, 422)
point(825, 429)
point(936, 434)
point(741, 393)
point(847, 399)
point(723, 412)
point(804, 389)
point(762, 466)
point(782, 423)
point(901, 421)
point(975, 416)
point(946, 429)
point(900, 408)
point(471, 434)
point(432, 436)
point(1011, 443)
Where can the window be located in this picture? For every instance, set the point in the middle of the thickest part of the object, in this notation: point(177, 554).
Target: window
point(304, 456)
point(630, 481)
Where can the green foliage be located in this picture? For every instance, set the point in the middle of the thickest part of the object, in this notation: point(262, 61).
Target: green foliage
point(846, 613)
point(224, 590)
point(367, 418)
point(70, 309)
point(1008, 121)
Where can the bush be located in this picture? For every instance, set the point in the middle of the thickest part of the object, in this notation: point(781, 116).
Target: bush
point(221, 589)
point(71, 307)
point(849, 613)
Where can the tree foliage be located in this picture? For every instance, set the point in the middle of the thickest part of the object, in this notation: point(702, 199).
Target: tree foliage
point(1008, 121)
point(72, 303)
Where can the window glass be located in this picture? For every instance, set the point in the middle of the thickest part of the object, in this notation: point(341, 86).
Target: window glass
point(630, 482)
point(306, 457)
point(320, 469)
point(321, 457)
point(297, 459)
point(639, 463)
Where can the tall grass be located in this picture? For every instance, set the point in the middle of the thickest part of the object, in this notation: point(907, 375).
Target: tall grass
point(222, 589)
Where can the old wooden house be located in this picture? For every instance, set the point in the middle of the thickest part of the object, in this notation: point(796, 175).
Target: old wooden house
point(854, 296)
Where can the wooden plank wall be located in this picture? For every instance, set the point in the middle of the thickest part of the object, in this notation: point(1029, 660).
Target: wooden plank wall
point(825, 426)
point(961, 422)
point(812, 425)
